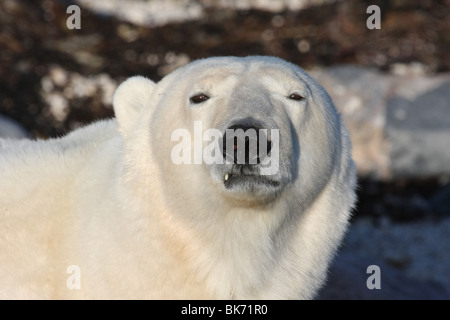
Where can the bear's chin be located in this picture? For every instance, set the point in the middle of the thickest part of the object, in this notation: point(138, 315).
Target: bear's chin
point(249, 182)
point(252, 188)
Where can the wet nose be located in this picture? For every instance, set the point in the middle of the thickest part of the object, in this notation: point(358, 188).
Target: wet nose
point(245, 144)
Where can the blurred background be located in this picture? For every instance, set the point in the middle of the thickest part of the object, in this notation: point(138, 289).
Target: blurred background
point(391, 85)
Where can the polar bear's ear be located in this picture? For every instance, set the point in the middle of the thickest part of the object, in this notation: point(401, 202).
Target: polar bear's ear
point(132, 96)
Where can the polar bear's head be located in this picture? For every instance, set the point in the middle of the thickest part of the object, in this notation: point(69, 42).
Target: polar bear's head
point(246, 128)
point(246, 165)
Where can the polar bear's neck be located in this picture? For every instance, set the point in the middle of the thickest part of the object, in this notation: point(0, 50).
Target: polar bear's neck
point(231, 252)
point(214, 248)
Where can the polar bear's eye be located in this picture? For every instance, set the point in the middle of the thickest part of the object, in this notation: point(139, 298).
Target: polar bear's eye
point(199, 98)
point(296, 97)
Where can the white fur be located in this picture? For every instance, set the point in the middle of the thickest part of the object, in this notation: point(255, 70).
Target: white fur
point(108, 199)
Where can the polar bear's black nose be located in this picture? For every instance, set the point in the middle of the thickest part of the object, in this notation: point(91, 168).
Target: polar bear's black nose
point(245, 144)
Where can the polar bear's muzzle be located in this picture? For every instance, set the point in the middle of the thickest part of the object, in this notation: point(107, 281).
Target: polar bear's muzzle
point(246, 145)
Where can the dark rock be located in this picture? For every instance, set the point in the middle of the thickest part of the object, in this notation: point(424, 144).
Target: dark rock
point(440, 202)
point(418, 129)
point(348, 277)
point(11, 129)
point(399, 124)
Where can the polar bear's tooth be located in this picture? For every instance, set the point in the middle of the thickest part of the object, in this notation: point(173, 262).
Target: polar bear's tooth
point(226, 177)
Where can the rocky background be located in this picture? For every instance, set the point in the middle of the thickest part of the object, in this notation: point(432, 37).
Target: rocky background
point(391, 85)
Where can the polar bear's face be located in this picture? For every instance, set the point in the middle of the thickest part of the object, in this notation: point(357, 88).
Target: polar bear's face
point(250, 126)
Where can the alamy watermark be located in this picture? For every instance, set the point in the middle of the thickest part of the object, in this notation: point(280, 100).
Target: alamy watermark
point(374, 280)
point(236, 146)
point(74, 280)
point(374, 20)
point(74, 20)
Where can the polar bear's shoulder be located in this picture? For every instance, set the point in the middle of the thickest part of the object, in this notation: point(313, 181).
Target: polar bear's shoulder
point(82, 138)
point(26, 162)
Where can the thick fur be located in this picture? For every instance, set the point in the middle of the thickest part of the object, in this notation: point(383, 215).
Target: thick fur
point(107, 198)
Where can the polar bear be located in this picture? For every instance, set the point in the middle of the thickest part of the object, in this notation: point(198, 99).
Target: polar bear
point(107, 212)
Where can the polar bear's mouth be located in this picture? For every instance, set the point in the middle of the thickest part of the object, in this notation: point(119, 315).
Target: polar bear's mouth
point(234, 180)
point(250, 148)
